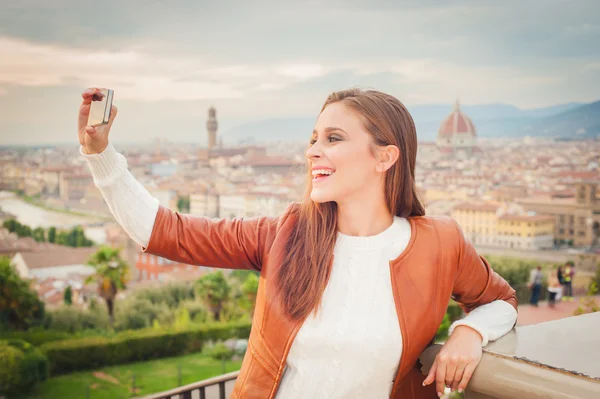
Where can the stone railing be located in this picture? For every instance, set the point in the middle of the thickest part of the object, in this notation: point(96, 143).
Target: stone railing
point(556, 359)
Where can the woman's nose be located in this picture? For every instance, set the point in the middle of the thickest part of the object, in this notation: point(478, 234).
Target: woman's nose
point(314, 151)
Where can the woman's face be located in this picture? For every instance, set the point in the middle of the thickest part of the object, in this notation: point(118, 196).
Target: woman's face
point(340, 158)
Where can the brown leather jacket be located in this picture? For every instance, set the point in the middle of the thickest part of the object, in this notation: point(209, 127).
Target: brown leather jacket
point(437, 264)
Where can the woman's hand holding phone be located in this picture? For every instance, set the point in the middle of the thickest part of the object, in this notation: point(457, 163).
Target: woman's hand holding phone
point(93, 139)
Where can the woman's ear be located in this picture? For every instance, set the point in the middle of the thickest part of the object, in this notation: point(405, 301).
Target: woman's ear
point(386, 157)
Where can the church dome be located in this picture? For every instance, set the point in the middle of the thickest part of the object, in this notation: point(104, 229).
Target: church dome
point(457, 123)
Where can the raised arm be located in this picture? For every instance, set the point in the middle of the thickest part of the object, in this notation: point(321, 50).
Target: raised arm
point(239, 243)
point(133, 207)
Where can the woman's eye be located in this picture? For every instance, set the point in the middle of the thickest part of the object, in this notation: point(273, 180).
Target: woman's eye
point(330, 139)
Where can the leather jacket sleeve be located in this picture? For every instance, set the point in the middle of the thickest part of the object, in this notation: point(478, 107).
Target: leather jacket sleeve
point(239, 243)
point(476, 283)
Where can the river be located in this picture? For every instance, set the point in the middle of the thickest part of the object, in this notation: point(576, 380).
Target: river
point(35, 216)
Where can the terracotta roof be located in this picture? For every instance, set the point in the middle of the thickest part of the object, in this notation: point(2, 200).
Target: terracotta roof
point(270, 161)
point(527, 218)
point(77, 176)
point(466, 206)
point(57, 257)
point(591, 175)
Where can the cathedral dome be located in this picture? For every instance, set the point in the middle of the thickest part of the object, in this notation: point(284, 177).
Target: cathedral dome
point(457, 123)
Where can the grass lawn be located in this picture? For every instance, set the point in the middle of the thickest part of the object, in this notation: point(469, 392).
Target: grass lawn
point(116, 382)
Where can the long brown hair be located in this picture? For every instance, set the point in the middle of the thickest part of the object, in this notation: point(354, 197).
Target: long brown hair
point(309, 251)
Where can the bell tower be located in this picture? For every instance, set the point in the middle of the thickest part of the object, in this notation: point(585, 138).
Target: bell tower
point(211, 127)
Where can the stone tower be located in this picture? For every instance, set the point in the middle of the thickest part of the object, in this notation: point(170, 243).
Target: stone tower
point(211, 127)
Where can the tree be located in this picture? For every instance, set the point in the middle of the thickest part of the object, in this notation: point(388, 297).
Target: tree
point(14, 226)
point(249, 289)
point(112, 275)
point(183, 204)
point(68, 296)
point(74, 238)
point(52, 234)
point(20, 306)
point(214, 289)
point(39, 234)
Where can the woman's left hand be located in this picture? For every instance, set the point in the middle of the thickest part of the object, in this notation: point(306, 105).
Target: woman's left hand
point(455, 363)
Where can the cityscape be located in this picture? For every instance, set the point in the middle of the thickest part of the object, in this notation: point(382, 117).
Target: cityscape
point(250, 282)
point(528, 196)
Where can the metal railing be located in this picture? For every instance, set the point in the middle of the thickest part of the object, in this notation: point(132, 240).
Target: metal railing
point(211, 388)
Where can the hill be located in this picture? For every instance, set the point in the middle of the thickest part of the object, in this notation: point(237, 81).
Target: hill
point(491, 120)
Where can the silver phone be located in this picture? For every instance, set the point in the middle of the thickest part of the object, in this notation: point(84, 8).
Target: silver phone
point(100, 108)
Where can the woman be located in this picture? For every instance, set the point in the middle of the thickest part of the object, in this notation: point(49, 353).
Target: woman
point(354, 280)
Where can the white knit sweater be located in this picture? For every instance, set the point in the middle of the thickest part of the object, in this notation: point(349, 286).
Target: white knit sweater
point(352, 348)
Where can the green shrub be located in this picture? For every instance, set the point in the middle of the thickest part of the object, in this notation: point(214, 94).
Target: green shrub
point(22, 366)
point(130, 346)
point(197, 309)
point(171, 295)
point(36, 337)
point(454, 311)
point(137, 313)
point(10, 361)
point(442, 333)
point(219, 351)
point(70, 319)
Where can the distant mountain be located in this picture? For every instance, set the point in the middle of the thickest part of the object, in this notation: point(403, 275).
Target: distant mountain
point(552, 110)
point(491, 120)
point(581, 121)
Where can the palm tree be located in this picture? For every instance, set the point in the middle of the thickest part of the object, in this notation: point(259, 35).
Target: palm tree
point(112, 275)
point(214, 290)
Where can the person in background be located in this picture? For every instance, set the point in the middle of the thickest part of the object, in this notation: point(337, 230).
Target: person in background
point(554, 289)
point(568, 275)
point(559, 275)
point(535, 283)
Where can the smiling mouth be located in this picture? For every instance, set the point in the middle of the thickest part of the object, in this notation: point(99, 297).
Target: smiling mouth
point(320, 177)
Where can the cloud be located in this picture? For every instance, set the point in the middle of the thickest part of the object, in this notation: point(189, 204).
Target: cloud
point(141, 75)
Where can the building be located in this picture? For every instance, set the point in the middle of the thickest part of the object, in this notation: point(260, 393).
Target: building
point(457, 133)
point(57, 261)
point(154, 268)
point(525, 231)
point(211, 127)
point(274, 164)
point(504, 225)
point(577, 220)
point(478, 221)
point(205, 203)
point(73, 186)
point(232, 205)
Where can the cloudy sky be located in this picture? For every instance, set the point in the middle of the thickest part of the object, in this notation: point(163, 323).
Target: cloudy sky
point(169, 61)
